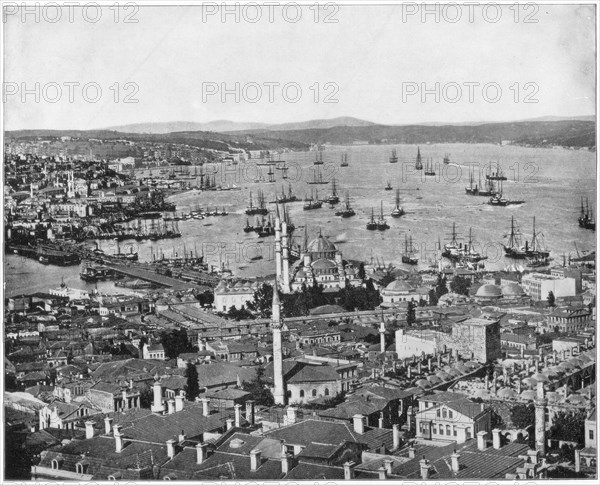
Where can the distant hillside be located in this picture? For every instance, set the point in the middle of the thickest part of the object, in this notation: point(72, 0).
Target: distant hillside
point(539, 133)
point(226, 126)
point(201, 139)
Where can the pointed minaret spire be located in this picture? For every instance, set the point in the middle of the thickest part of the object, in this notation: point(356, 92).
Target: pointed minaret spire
point(305, 243)
point(276, 324)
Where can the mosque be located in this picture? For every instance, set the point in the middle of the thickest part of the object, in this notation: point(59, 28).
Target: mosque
point(319, 262)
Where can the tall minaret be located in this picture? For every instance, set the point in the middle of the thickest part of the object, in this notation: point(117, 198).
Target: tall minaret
point(277, 245)
point(382, 334)
point(540, 419)
point(285, 267)
point(276, 324)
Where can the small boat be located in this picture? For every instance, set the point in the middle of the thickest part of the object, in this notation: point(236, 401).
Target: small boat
point(407, 257)
point(394, 156)
point(333, 197)
point(344, 160)
point(586, 219)
point(429, 169)
point(418, 162)
point(347, 211)
point(372, 225)
point(497, 175)
point(319, 158)
point(446, 158)
point(381, 224)
point(388, 186)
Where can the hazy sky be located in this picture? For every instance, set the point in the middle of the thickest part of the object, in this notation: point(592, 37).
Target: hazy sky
point(374, 58)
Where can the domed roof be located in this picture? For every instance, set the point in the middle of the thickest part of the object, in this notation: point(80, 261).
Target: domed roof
point(399, 285)
point(540, 377)
point(576, 399)
point(321, 245)
point(553, 396)
point(529, 381)
point(454, 373)
point(444, 375)
point(512, 289)
point(324, 264)
point(529, 395)
point(507, 393)
point(461, 368)
point(434, 380)
point(423, 383)
point(472, 364)
point(489, 291)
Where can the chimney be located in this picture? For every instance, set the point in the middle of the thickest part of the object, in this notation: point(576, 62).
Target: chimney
point(411, 451)
point(238, 415)
point(387, 464)
point(250, 412)
point(229, 423)
point(395, 436)
point(170, 448)
point(201, 345)
point(254, 460)
point(496, 439)
point(89, 430)
point(481, 440)
point(359, 424)
point(171, 406)
point(205, 402)
point(124, 398)
point(455, 462)
point(157, 405)
point(533, 456)
point(118, 439)
point(381, 420)
point(291, 414)
point(107, 425)
point(424, 468)
point(179, 403)
point(349, 470)
point(381, 472)
point(181, 437)
point(286, 463)
point(201, 453)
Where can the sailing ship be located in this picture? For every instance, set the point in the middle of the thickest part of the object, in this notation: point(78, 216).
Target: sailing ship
point(586, 219)
point(372, 225)
point(470, 255)
point(498, 200)
point(271, 175)
point(398, 211)
point(514, 249)
point(453, 249)
point(418, 162)
point(497, 175)
point(285, 198)
point(260, 209)
point(344, 160)
point(319, 158)
point(248, 227)
point(381, 224)
point(407, 257)
point(429, 168)
point(489, 190)
point(312, 202)
point(333, 197)
point(389, 185)
point(347, 211)
point(317, 178)
point(394, 156)
point(446, 158)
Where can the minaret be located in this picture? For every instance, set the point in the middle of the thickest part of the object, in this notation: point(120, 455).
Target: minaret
point(277, 245)
point(285, 284)
point(382, 334)
point(276, 323)
point(540, 420)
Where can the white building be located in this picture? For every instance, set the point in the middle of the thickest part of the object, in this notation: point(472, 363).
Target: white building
point(416, 342)
point(539, 285)
point(236, 295)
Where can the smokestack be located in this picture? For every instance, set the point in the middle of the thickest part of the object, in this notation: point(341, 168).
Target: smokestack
point(179, 403)
point(481, 440)
point(396, 436)
point(349, 470)
point(381, 472)
point(118, 438)
point(89, 430)
point(157, 405)
point(455, 462)
point(201, 453)
point(238, 415)
point(411, 451)
point(205, 402)
point(229, 423)
point(381, 420)
point(250, 412)
point(496, 439)
point(124, 398)
point(286, 463)
point(387, 464)
point(424, 465)
point(171, 448)
point(255, 460)
point(108, 425)
point(181, 437)
point(359, 425)
point(171, 406)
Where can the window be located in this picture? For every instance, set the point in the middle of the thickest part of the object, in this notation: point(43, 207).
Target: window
point(301, 392)
point(326, 392)
point(441, 429)
point(448, 429)
point(80, 468)
point(314, 393)
point(55, 465)
point(434, 429)
point(438, 413)
point(468, 432)
point(454, 431)
point(591, 434)
point(444, 413)
point(449, 413)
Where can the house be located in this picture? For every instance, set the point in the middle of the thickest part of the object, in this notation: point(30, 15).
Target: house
point(569, 319)
point(586, 459)
point(153, 352)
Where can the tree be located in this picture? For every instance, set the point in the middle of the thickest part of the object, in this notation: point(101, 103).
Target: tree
point(361, 271)
point(551, 299)
point(440, 288)
point(433, 298)
point(523, 415)
point(241, 314)
point(568, 427)
point(460, 285)
point(257, 387)
point(263, 300)
point(192, 387)
point(146, 397)
point(411, 314)
point(175, 342)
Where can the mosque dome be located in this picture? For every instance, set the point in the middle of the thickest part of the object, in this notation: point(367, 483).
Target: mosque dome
point(399, 285)
point(321, 245)
point(423, 383)
point(507, 393)
point(434, 380)
point(529, 395)
point(489, 291)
